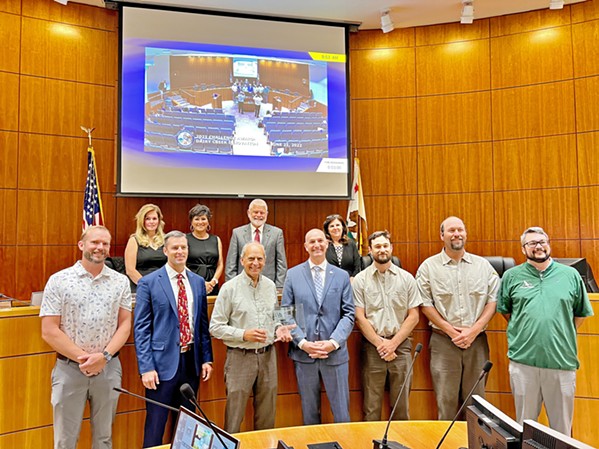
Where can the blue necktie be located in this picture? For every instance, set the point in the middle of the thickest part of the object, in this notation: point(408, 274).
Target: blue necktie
point(318, 284)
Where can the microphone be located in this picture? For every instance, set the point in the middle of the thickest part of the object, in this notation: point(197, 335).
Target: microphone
point(384, 444)
point(151, 401)
point(190, 395)
point(486, 368)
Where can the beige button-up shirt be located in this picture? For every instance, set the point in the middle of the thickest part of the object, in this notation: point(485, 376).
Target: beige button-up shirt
point(385, 297)
point(459, 291)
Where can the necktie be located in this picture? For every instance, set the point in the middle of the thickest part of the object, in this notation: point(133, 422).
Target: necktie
point(318, 284)
point(183, 310)
point(257, 236)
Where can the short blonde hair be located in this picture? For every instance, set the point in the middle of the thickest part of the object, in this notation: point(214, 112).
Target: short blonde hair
point(141, 233)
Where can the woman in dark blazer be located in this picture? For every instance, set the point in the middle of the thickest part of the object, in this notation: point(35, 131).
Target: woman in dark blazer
point(342, 252)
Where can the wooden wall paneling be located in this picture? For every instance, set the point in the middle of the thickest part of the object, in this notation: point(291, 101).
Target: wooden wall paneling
point(407, 253)
point(9, 102)
point(25, 400)
point(475, 209)
point(11, 6)
point(533, 111)
point(8, 212)
point(68, 52)
point(437, 168)
point(75, 13)
point(10, 36)
point(40, 438)
point(28, 326)
point(464, 65)
point(591, 325)
point(9, 150)
point(581, 12)
point(128, 430)
point(584, 428)
point(538, 56)
point(588, 158)
point(401, 37)
point(518, 163)
point(586, 54)
point(529, 21)
point(382, 73)
point(590, 250)
point(289, 410)
point(423, 405)
point(589, 210)
point(397, 214)
point(454, 118)
point(586, 377)
point(8, 257)
point(388, 171)
point(452, 32)
point(498, 379)
point(555, 210)
point(587, 90)
point(214, 388)
point(503, 401)
point(59, 163)
point(296, 254)
point(35, 264)
point(497, 323)
point(66, 106)
point(384, 123)
point(40, 223)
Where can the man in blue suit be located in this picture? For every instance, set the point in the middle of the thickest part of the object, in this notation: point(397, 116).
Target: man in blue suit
point(171, 334)
point(324, 313)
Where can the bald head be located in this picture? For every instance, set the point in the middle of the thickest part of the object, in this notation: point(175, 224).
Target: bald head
point(316, 245)
point(453, 234)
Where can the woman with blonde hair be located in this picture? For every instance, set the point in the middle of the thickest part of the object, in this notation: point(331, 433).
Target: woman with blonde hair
point(144, 253)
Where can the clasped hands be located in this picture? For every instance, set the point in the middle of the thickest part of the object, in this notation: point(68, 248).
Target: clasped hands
point(91, 364)
point(464, 338)
point(318, 349)
point(386, 349)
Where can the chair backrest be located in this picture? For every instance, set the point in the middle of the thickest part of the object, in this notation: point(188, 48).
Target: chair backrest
point(501, 264)
point(116, 263)
point(367, 261)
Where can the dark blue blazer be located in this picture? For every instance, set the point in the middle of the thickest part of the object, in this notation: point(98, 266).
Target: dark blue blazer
point(332, 318)
point(156, 325)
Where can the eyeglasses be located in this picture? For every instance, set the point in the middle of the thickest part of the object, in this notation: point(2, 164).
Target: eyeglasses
point(533, 243)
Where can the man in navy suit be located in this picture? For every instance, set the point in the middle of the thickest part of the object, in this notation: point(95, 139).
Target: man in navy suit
point(324, 314)
point(269, 236)
point(171, 334)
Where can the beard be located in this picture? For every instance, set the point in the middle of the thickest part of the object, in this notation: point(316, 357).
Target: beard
point(382, 258)
point(100, 256)
point(536, 259)
point(457, 244)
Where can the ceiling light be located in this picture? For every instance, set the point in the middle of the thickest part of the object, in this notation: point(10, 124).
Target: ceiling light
point(386, 23)
point(62, 2)
point(556, 4)
point(467, 11)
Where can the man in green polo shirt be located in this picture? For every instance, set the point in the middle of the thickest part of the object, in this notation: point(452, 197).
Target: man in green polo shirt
point(544, 303)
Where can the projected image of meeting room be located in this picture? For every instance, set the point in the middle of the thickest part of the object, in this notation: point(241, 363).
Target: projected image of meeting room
point(234, 104)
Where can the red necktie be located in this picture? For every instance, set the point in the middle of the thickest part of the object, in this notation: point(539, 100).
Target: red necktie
point(257, 236)
point(183, 312)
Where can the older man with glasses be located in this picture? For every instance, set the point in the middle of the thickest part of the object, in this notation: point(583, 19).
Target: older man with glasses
point(544, 303)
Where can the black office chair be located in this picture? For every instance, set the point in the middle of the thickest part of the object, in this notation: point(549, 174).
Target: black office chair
point(116, 263)
point(501, 264)
point(367, 261)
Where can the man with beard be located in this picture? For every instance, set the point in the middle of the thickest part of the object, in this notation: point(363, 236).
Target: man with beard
point(86, 319)
point(544, 303)
point(459, 292)
point(258, 231)
point(387, 300)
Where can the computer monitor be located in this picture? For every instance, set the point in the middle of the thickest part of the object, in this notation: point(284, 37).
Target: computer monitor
point(490, 427)
point(538, 436)
point(193, 432)
point(584, 269)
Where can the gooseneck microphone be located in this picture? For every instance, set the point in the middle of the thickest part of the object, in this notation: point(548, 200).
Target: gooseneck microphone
point(486, 368)
point(190, 395)
point(143, 398)
point(384, 444)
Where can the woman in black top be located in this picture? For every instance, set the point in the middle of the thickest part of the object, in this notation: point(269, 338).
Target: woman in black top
point(205, 250)
point(144, 251)
point(342, 252)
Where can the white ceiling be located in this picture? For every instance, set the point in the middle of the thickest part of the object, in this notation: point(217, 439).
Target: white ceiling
point(404, 13)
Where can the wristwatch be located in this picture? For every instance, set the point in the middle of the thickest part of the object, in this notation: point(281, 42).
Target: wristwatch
point(107, 355)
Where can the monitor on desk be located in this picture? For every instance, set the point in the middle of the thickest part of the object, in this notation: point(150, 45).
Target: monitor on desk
point(193, 432)
point(581, 265)
point(538, 436)
point(488, 426)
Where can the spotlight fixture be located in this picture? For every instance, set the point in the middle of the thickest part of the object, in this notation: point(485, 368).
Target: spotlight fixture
point(387, 24)
point(62, 2)
point(556, 4)
point(467, 11)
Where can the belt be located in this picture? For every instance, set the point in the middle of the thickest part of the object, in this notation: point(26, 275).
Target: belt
point(59, 356)
point(262, 350)
point(186, 348)
point(440, 332)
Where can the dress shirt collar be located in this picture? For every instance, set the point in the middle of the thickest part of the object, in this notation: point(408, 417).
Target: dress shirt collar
point(448, 260)
point(248, 280)
point(172, 273)
point(323, 265)
point(393, 269)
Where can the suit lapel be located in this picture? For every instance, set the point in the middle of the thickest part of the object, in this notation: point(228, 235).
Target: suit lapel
point(247, 234)
point(328, 280)
point(310, 280)
point(265, 235)
point(165, 283)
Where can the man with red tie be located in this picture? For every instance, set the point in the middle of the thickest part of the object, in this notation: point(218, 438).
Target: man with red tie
point(172, 341)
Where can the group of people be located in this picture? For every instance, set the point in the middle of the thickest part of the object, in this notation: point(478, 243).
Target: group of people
point(86, 318)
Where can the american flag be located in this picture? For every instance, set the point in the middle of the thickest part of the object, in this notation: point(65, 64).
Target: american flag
point(92, 203)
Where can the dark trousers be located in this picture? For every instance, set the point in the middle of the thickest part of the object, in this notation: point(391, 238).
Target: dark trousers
point(168, 393)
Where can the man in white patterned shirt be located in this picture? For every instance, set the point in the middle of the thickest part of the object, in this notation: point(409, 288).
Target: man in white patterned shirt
point(86, 319)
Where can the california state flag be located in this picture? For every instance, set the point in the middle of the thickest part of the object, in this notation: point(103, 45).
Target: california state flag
point(356, 213)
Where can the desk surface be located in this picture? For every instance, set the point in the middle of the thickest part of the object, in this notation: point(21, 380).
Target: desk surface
point(414, 434)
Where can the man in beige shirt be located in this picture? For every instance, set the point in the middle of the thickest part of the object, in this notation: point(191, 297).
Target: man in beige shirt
point(243, 318)
point(387, 300)
point(459, 291)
